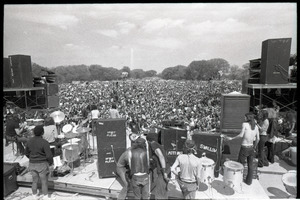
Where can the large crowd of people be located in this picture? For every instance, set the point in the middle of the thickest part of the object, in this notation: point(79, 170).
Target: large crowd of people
point(150, 102)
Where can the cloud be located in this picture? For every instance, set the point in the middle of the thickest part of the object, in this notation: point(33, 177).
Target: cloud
point(227, 26)
point(125, 27)
point(108, 32)
point(166, 43)
point(60, 20)
point(159, 24)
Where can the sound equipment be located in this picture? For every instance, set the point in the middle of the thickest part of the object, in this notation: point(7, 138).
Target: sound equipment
point(6, 73)
point(111, 132)
point(244, 86)
point(211, 145)
point(51, 89)
point(107, 160)
point(52, 101)
point(254, 71)
point(9, 179)
point(173, 139)
point(21, 71)
point(275, 59)
point(234, 106)
point(111, 143)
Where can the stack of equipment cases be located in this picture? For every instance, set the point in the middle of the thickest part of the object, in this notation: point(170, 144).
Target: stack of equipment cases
point(9, 179)
point(111, 143)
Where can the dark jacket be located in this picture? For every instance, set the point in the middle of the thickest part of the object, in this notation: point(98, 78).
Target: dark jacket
point(38, 150)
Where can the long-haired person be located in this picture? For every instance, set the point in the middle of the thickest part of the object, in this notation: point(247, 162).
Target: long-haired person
point(250, 139)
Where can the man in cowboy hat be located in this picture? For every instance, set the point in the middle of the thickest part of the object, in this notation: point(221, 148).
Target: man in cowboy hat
point(188, 164)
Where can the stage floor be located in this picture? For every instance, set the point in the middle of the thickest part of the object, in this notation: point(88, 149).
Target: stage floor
point(268, 186)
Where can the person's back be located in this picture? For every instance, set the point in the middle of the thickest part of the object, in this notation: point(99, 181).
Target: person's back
point(249, 134)
point(188, 165)
point(113, 112)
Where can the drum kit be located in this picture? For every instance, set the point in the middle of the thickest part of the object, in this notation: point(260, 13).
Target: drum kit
point(233, 175)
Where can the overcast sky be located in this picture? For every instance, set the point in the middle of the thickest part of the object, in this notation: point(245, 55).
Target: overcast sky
point(145, 36)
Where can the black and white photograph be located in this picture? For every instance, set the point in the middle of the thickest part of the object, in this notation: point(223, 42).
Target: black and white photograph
point(116, 101)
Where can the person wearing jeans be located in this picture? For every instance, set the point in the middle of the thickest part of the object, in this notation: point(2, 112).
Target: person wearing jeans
point(250, 139)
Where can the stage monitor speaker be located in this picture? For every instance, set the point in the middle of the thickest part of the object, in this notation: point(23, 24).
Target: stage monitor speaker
point(173, 139)
point(275, 59)
point(234, 106)
point(21, 71)
point(107, 160)
point(7, 79)
point(111, 132)
point(211, 145)
point(52, 101)
point(50, 88)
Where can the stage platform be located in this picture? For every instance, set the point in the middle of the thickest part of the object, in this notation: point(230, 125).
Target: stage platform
point(85, 180)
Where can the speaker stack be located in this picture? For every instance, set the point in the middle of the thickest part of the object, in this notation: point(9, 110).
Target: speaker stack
point(21, 71)
point(275, 59)
point(50, 93)
point(111, 143)
point(234, 106)
point(173, 139)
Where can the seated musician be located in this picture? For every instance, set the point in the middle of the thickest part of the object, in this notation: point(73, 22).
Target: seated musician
point(50, 132)
point(14, 132)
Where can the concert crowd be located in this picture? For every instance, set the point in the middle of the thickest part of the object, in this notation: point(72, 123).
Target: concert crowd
point(150, 102)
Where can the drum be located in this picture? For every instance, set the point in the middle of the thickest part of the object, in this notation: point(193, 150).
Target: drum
point(70, 152)
point(67, 128)
point(77, 141)
point(207, 167)
point(293, 153)
point(289, 180)
point(233, 174)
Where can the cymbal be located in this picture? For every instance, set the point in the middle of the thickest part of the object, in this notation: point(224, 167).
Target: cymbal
point(70, 135)
point(83, 130)
point(177, 128)
point(57, 116)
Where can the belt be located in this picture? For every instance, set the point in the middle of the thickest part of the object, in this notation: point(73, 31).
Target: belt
point(189, 182)
point(139, 174)
point(251, 146)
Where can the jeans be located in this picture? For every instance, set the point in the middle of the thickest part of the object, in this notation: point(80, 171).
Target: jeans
point(158, 185)
point(270, 156)
point(39, 171)
point(141, 186)
point(262, 158)
point(246, 154)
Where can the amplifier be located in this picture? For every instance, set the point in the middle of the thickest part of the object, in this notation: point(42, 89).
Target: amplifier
point(233, 110)
point(107, 160)
point(111, 132)
point(52, 101)
point(210, 144)
point(173, 139)
point(9, 179)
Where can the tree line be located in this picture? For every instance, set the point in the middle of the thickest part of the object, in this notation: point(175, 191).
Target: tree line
point(217, 68)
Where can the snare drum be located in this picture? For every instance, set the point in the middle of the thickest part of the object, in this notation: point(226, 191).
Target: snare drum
point(207, 167)
point(70, 152)
point(233, 174)
point(289, 180)
point(77, 141)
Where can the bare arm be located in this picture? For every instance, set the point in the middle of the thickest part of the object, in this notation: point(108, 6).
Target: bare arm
point(173, 168)
point(161, 158)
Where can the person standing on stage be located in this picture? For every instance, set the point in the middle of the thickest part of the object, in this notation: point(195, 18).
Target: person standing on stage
point(263, 126)
point(135, 161)
point(40, 158)
point(159, 167)
point(188, 164)
point(14, 132)
point(250, 139)
point(113, 112)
